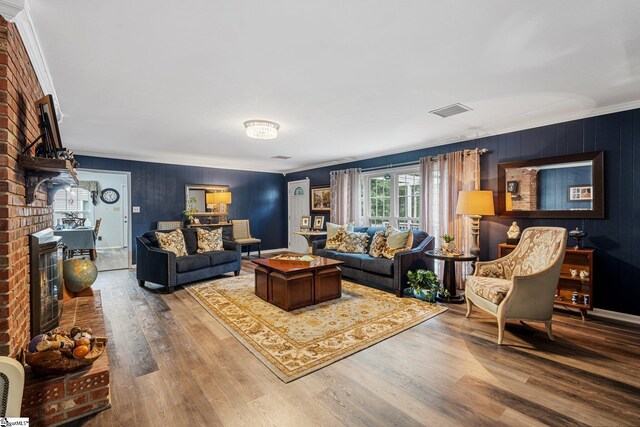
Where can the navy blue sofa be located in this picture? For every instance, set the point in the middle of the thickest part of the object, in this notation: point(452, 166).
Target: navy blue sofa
point(381, 273)
point(165, 268)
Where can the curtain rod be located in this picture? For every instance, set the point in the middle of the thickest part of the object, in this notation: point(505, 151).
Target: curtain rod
point(480, 151)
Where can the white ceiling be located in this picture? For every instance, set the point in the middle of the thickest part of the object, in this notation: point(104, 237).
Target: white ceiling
point(174, 81)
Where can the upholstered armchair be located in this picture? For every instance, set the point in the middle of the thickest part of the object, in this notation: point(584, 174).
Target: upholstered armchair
point(11, 387)
point(521, 285)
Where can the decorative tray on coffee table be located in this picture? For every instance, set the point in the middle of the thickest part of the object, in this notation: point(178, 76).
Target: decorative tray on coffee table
point(304, 258)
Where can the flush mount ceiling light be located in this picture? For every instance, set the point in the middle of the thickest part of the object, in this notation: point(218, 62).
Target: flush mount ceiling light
point(261, 129)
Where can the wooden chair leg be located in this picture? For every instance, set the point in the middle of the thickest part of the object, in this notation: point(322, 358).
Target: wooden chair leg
point(549, 332)
point(502, 321)
point(469, 307)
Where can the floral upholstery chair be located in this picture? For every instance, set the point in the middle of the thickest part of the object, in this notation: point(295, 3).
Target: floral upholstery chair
point(521, 285)
point(11, 387)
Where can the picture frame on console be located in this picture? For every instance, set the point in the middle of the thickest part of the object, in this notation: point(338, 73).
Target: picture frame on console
point(321, 199)
point(305, 222)
point(318, 223)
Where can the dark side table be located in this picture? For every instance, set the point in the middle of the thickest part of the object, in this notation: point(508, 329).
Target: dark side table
point(449, 279)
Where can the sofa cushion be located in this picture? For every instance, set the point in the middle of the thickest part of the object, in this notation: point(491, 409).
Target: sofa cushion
point(220, 257)
point(489, 288)
point(354, 243)
point(335, 234)
point(418, 237)
point(377, 244)
point(352, 260)
point(172, 242)
point(326, 253)
point(191, 262)
point(209, 240)
point(380, 266)
point(190, 240)
point(151, 237)
point(397, 241)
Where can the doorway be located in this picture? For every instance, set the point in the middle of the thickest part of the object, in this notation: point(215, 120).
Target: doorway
point(298, 194)
point(111, 207)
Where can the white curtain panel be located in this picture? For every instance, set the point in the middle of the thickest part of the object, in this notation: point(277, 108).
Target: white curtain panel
point(443, 177)
point(345, 196)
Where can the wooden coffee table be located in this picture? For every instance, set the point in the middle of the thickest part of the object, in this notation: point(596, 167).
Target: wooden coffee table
point(292, 284)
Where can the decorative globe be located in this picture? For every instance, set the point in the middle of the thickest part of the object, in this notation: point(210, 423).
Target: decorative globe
point(79, 274)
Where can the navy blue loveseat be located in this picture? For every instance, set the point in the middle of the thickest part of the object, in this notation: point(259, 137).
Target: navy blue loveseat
point(381, 273)
point(165, 268)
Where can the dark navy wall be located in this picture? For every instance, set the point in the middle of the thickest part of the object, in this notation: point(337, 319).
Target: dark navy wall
point(616, 238)
point(159, 191)
point(553, 188)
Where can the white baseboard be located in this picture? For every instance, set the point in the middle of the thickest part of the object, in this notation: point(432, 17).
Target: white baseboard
point(615, 315)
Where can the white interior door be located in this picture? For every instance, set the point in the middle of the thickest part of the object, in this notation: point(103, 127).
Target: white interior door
point(298, 206)
point(125, 216)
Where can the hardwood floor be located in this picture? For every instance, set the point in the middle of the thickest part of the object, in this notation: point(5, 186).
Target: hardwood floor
point(112, 259)
point(176, 365)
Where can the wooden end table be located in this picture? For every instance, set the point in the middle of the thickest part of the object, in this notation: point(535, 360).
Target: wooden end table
point(449, 279)
point(295, 284)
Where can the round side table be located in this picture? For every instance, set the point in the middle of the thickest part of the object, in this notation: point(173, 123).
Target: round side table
point(449, 279)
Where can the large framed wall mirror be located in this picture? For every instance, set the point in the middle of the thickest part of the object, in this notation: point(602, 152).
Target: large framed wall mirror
point(553, 187)
point(207, 201)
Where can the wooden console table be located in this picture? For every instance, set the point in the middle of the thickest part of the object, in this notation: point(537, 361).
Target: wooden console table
point(574, 259)
point(295, 284)
point(310, 236)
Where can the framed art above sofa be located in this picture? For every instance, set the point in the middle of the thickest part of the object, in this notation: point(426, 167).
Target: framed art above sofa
point(320, 199)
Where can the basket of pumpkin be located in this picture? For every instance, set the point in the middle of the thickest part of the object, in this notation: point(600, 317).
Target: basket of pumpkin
point(61, 352)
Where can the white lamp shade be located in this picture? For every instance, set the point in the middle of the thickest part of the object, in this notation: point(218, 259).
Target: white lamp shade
point(475, 202)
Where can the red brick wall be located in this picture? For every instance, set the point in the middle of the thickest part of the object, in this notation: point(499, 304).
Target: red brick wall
point(19, 89)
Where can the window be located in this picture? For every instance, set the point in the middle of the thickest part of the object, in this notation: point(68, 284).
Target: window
point(75, 200)
point(392, 197)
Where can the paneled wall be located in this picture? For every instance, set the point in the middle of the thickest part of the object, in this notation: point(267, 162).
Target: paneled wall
point(616, 238)
point(158, 189)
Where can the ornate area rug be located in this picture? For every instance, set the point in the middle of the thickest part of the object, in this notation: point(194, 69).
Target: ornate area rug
point(294, 344)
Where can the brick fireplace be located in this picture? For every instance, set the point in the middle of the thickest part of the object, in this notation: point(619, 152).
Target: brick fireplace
point(19, 89)
point(47, 400)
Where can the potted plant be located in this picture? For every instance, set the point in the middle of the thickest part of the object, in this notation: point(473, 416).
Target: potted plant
point(425, 285)
point(191, 209)
point(448, 242)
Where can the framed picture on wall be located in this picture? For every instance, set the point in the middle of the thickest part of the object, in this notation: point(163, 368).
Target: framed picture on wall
point(512, 187)
point(580, 192)
point(305, 222)
point(318, 223)
point(320, 199)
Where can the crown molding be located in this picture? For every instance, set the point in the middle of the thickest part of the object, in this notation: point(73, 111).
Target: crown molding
point(10, 8)
point(19, 12)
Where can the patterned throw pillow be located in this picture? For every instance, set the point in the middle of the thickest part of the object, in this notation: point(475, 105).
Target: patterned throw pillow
point(354, 243)
point(209, 240)
point(172, 242)
point(377, 244)
point(397, 241)
point(335, 234)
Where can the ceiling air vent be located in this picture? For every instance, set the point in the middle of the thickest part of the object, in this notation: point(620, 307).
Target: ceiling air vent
point(281, 157)
point(451, 110)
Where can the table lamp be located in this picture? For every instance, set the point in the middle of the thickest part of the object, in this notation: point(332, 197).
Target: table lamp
point(220, 198)
point(475, 203)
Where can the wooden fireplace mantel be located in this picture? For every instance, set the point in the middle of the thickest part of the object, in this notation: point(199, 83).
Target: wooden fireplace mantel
point(54, 174)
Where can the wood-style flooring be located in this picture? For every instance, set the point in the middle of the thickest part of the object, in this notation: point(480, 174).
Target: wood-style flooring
point(173, 364)
point(112, 259)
